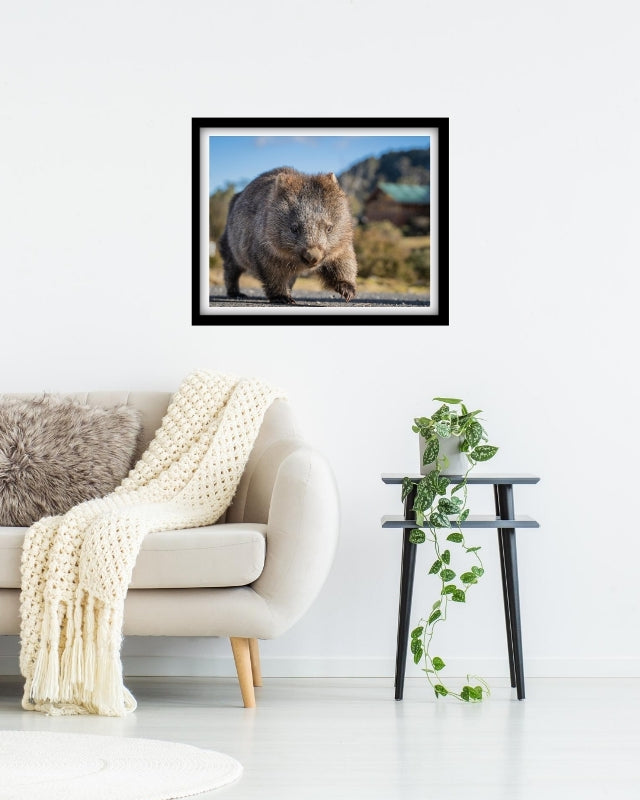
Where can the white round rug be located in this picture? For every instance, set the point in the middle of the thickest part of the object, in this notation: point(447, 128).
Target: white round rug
point(69, 766)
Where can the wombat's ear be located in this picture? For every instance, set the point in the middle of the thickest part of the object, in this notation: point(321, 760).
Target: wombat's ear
point(332, 177)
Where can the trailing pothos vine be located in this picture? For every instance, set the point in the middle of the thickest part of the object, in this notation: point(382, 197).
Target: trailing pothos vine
point(440, 507)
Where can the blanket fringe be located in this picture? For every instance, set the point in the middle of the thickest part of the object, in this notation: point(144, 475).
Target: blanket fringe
point(87, 660)
point(46, 671)
point(89, 671)
point(105, 694)
point(66, 665)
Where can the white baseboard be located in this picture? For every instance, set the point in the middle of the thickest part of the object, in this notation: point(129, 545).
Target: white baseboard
point(136, 665)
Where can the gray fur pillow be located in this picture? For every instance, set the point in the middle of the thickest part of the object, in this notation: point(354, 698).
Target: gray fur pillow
point(56, 452)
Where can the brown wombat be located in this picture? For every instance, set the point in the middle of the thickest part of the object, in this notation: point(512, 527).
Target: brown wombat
point(285, 223)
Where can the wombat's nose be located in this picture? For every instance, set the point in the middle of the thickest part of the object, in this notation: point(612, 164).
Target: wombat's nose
point(311, 255)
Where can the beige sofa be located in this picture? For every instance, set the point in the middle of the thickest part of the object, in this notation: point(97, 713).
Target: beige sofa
point(250, 576)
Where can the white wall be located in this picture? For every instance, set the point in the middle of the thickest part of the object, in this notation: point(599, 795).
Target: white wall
point(95, 109)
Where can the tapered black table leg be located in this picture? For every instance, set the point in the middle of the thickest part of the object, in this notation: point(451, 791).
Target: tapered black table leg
point(505, 592)
point(508, 538)
point(406, 592)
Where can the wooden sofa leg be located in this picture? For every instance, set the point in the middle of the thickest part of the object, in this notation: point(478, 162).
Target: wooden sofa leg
point(242, 657)
point(255, 662)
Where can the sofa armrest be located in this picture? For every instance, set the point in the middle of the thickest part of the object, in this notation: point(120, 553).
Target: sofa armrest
point(302, 534)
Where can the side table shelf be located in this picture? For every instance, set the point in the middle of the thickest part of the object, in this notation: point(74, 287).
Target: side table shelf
point(472, 521)
point(505, 522)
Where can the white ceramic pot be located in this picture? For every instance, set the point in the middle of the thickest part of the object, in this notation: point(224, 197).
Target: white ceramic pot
point(458, 462)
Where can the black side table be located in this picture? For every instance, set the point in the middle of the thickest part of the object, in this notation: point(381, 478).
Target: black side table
point(506, 522)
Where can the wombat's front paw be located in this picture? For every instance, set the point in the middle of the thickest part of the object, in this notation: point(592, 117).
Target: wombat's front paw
point(283, 300)
point(347, 290)
point(237, 295)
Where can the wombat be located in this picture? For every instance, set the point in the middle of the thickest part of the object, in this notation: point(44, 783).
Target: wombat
point(284, 223)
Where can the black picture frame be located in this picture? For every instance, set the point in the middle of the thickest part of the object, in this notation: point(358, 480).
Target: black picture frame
point(433, 310)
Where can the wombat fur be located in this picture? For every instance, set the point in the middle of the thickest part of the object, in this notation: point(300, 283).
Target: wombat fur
point(284, 223)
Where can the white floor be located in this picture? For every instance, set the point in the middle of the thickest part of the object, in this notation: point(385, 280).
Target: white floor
point(334, 739)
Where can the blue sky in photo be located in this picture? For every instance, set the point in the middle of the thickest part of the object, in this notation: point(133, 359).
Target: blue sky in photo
point(239, 159)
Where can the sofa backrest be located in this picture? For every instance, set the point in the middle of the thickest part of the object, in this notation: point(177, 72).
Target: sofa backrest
point(277, 438)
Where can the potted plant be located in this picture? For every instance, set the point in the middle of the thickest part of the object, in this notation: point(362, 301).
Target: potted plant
point(452, 441)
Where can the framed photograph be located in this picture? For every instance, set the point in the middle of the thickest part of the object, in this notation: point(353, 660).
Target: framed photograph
point(320, 221)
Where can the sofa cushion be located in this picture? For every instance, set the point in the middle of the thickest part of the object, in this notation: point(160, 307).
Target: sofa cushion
point(56, 452)
point(212, 556)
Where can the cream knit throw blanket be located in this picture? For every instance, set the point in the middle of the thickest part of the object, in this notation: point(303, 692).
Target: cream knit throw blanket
point(76, 567)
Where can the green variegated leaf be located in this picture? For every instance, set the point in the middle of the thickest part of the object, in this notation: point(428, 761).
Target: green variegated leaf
point(453, 400)
point(440, 690)
point(415, 645)
point(419, 517)
point(435, 567)
point(417, 536)
point(458, 596)
point(470, 693)
point(429, 496)
point(446, 556)
point(484, 452)
point(447, 575)
point(459, 487)
point(431, 450)
point(431, 480)
point(464, 515)
point(455, 537)
point(450, 589)
point(407, 486)
point(419, 504)
point(417, 656)
point(443, 428)
point(444, 506)
point(448, 505)
point(416, 633)
point(478, 571)
point(473, 550)
point(438, 663)
point(424, 427)
point(438, 520)
point(436, 614)
point(425, 495)
point(473, 433)
point(443, 482)
point(468, 577)
point(437, 604)
point(442, 413)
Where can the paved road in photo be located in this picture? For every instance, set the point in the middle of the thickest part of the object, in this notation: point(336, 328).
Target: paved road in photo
point(255, 297)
